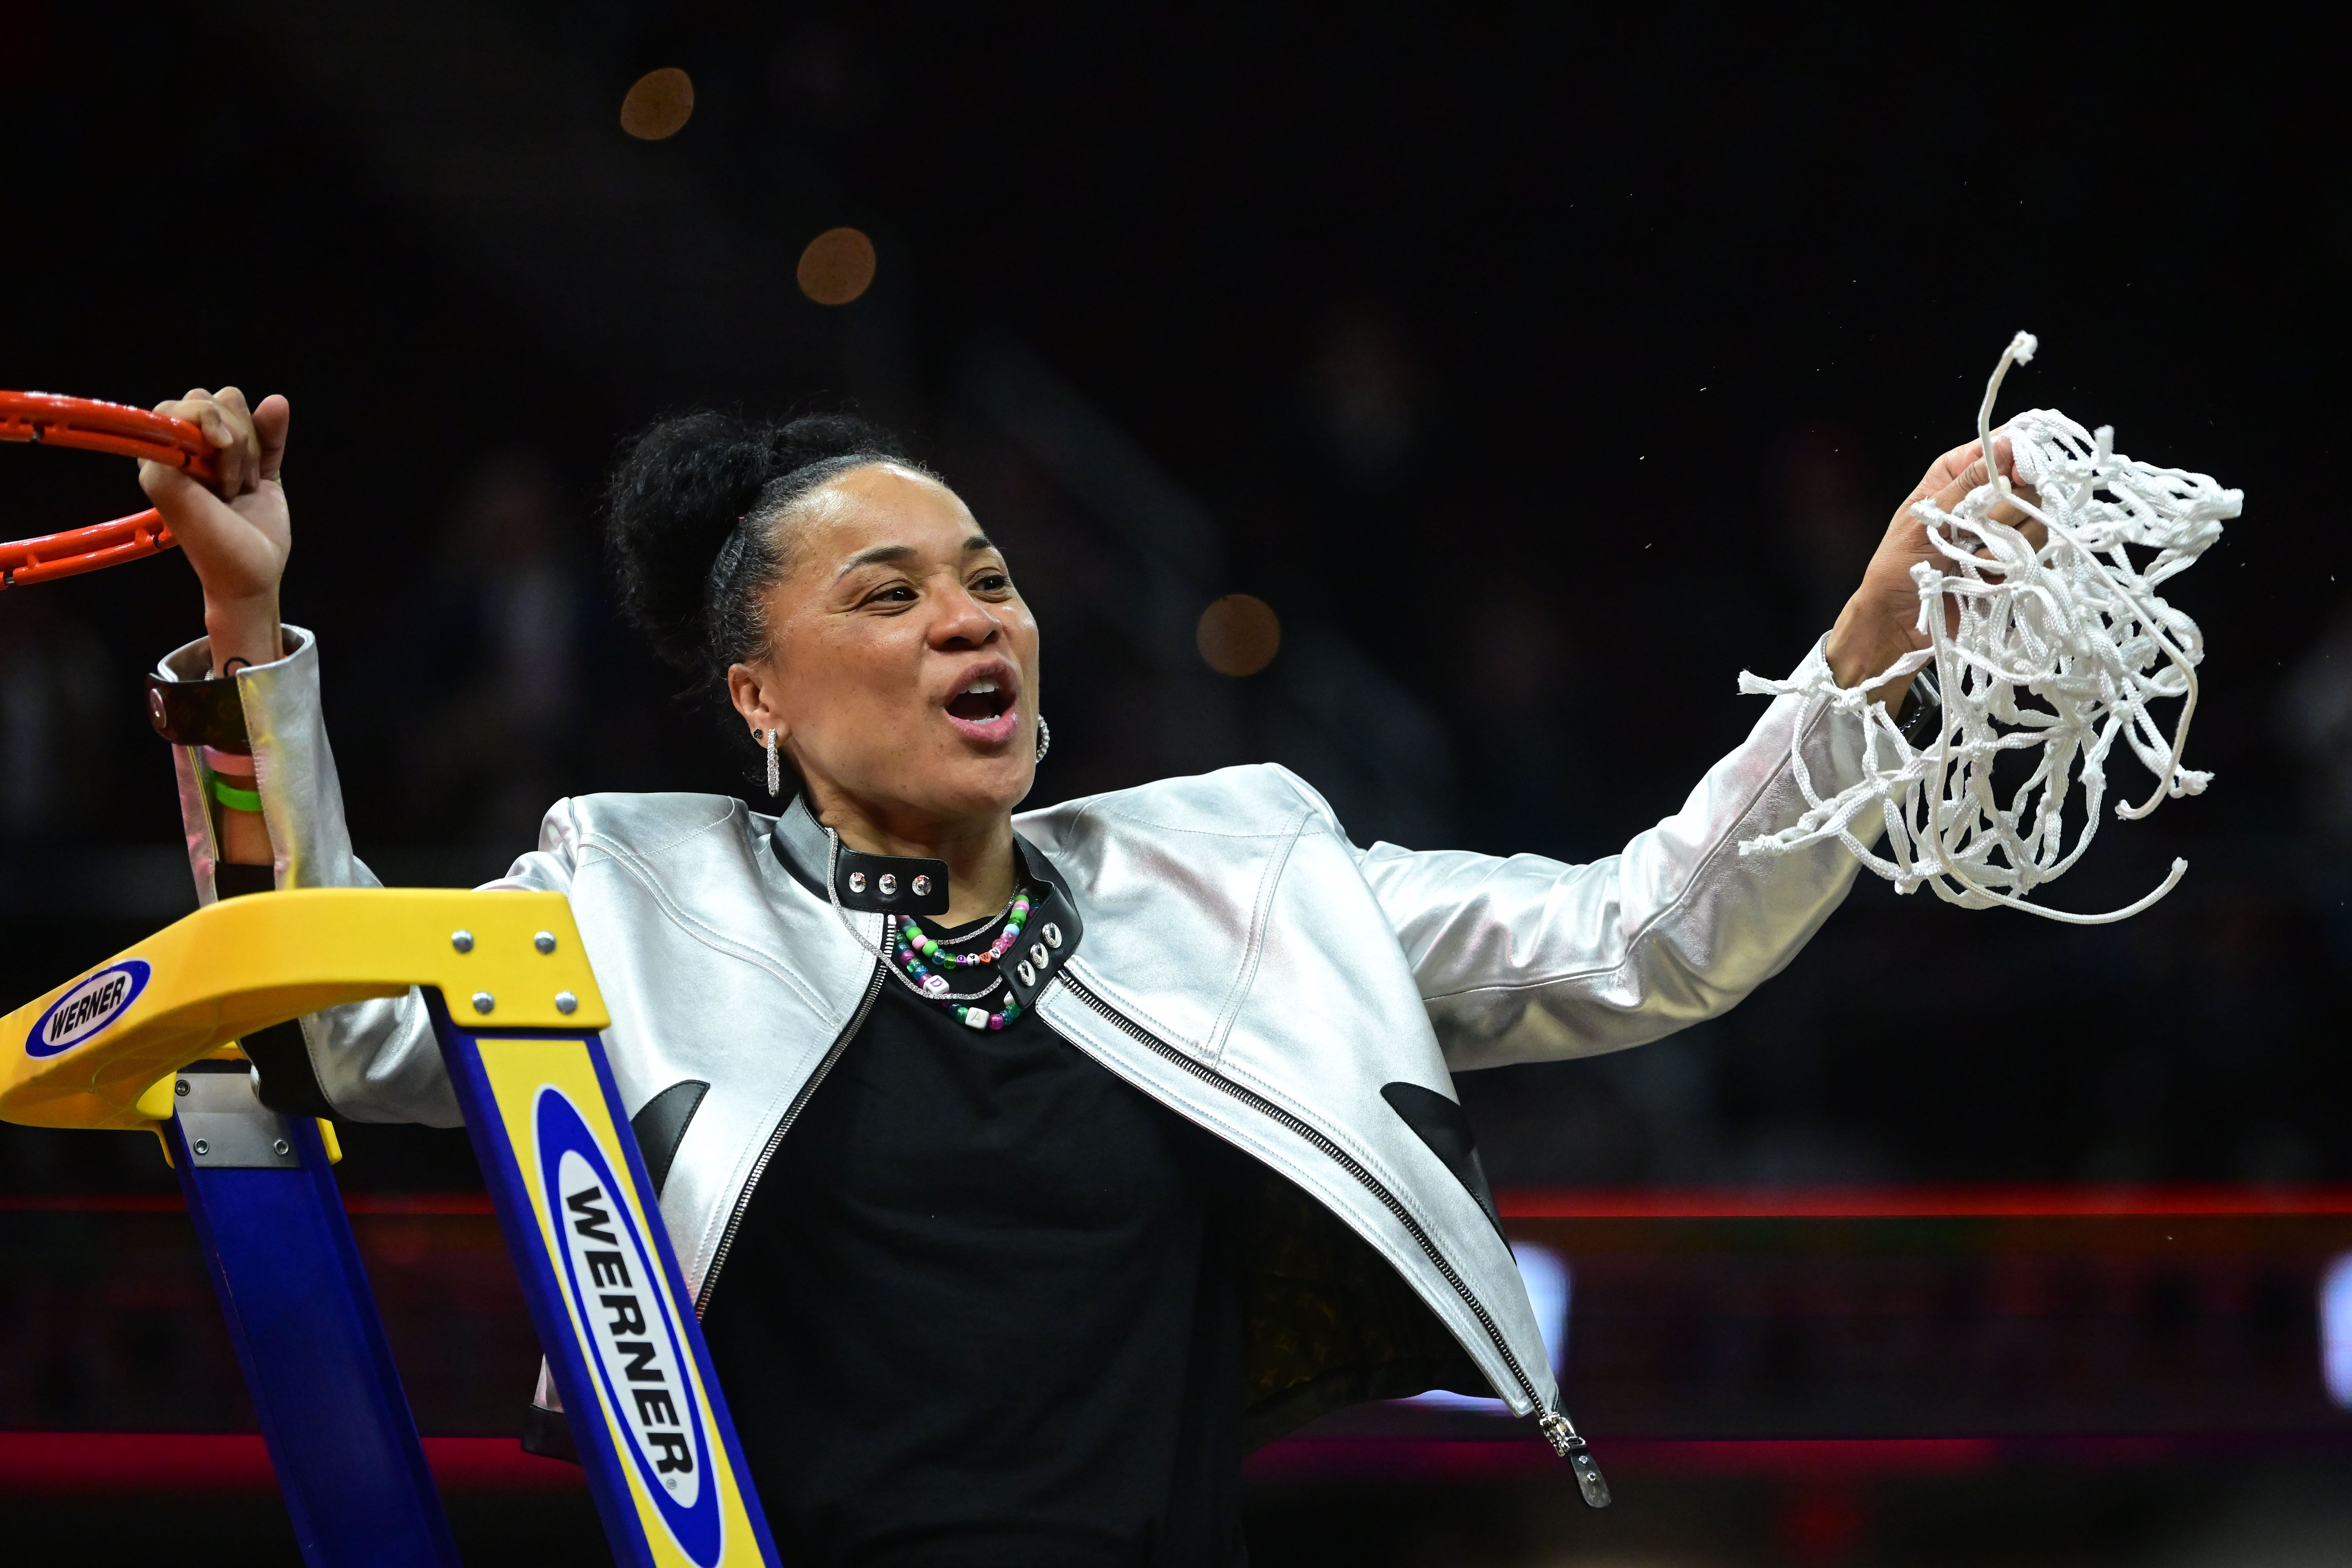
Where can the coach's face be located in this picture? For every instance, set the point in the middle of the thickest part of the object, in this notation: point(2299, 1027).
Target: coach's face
point(902, 664)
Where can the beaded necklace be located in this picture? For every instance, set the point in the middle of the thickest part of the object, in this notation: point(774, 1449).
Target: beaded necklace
point(914, 944)
point(1015, 915)
point(906, 943)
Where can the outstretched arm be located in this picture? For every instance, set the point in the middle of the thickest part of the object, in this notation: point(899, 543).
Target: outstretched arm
point(1529, 959)
point(1526, 958)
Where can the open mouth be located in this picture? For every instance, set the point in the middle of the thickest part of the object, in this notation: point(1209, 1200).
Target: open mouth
point(985, 708)
point(982, 700)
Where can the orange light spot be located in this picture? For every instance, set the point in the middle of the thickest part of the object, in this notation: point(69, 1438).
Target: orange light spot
point(1239, 634)
point(837, 267)
point(658, 104)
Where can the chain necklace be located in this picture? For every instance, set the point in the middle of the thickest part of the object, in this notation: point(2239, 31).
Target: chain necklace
point(1016, 914)
point(922, 980)
point(913, 941)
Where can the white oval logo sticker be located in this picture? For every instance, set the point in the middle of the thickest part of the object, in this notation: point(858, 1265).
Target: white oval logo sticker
point(88, 1008)
point(638, 1355)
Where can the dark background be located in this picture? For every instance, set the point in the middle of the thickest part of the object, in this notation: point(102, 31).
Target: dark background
point(1542, 374)
point(1541, 370)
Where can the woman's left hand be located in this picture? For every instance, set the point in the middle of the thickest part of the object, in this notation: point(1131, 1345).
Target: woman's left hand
point(1881, 622)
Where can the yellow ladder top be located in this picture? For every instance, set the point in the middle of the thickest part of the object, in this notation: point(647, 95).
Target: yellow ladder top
point(84, 1054)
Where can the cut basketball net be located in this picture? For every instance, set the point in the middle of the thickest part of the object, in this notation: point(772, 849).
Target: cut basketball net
point(53, 421)
point(2059, 650)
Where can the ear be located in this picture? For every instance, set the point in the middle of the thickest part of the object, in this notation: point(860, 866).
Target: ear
point(747, 690)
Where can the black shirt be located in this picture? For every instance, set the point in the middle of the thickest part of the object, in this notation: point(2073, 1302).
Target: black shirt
point(979, 1312)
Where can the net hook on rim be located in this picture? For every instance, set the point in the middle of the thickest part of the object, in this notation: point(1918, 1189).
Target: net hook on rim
point(48, 419)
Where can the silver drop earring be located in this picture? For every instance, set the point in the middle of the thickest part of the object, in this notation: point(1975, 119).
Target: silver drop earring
point(1045, 737)
point(775, 768)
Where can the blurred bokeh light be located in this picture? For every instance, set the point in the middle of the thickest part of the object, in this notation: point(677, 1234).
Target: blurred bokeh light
point(658, 104)
point(1239, 634)
point(837, 267)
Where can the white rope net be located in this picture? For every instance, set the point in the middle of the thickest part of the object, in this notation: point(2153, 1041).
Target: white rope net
point(2057, 651)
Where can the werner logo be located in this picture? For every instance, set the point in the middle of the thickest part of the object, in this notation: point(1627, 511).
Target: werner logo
point(636, 1352)
point(88, 1008)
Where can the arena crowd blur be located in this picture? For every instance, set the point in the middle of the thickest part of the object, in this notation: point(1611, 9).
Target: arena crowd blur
point(1447, 405)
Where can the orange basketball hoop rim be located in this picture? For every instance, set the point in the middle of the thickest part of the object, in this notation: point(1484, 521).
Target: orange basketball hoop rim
point(96, 427)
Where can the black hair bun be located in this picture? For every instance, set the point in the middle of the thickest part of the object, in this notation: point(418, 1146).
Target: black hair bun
point(677, 490)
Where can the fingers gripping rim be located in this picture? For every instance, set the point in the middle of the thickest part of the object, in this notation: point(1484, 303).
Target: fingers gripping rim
point(86, 423)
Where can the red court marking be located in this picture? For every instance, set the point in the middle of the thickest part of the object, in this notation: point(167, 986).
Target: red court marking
point(171, 1203)
point(1570, 1203)
point(1793, 1459)
point(168, 1461)
point(70, 1462)
point(92, 1203)
point(1574, 1203)
point(174, 1461)
point(1841, 1458)
point(1838, 1456)
point(2049, 1201)
point(417, 1203)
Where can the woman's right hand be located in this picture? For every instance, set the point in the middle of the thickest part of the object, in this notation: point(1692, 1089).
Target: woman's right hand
point(1880, 623)
point(235, 532)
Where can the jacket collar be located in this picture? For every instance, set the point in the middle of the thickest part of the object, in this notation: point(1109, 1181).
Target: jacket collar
point(867, 884)
point(803, 847)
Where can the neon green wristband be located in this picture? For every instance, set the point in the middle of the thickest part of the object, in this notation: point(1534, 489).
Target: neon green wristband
point(235, 799)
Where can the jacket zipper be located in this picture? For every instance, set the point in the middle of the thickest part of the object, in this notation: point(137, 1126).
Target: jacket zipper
point(776, 1139)
point(1555, 1425)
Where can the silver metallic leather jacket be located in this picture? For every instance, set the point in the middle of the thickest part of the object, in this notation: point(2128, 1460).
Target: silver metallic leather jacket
point(1243, 962)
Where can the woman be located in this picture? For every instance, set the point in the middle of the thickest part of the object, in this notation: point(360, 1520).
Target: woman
point(1026, 1170)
